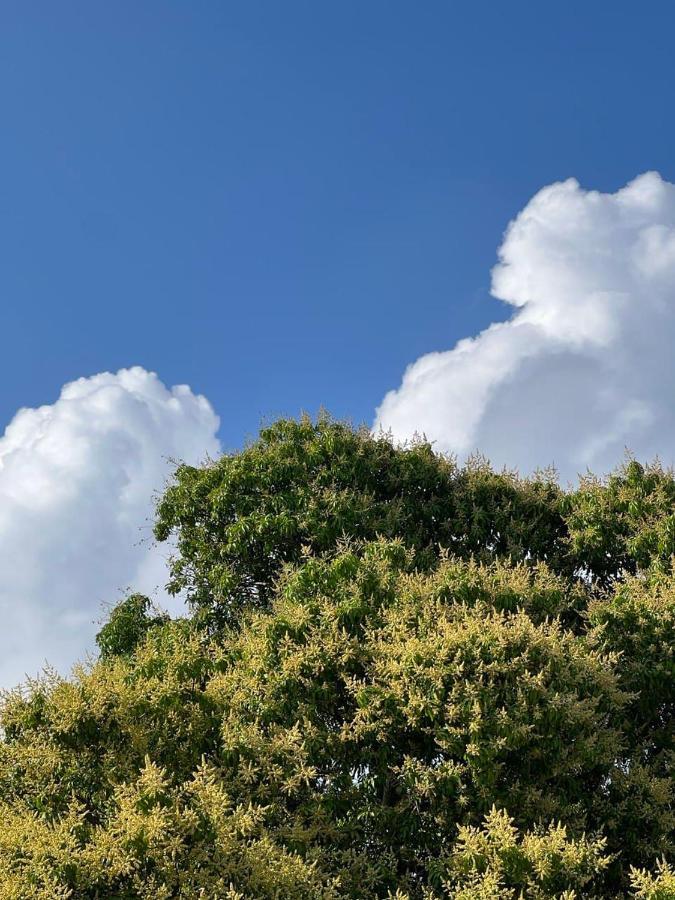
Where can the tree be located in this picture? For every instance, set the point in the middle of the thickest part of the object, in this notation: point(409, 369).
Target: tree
point(624, 523)
point(305, 486)
point(402, 678)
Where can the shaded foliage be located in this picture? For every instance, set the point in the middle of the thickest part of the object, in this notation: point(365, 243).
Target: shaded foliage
point(127, 624)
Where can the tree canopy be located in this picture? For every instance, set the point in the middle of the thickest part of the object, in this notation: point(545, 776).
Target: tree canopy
point(400, 678)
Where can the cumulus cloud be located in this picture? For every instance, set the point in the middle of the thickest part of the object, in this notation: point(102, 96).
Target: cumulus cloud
point(584, 367)
point(76, 498)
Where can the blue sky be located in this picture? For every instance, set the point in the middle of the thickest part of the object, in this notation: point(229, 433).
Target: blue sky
point(284, 204)
point(290, 205)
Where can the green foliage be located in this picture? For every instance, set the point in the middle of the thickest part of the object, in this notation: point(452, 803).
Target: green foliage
point(403, 679)
point(304, 486)
point(638, 621)
point(624, 524)
point(126, 626)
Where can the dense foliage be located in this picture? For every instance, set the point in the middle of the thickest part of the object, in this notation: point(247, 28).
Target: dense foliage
point(402, 678)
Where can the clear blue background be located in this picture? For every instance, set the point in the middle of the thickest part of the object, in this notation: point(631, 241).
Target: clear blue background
point(284, 203)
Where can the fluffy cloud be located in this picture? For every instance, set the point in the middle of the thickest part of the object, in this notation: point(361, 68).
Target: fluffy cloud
point(584, 367)
point(76, 496)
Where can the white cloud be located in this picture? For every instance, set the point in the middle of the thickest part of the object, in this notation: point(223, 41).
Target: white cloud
point(584, 368)
point(76, 500)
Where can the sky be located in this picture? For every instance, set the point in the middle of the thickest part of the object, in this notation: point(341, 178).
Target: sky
point(284, 206)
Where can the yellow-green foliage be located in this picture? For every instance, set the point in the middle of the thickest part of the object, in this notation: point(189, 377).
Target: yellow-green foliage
point(495, 862)
point(156, 840)
point(658, 886)
point(370, 718)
